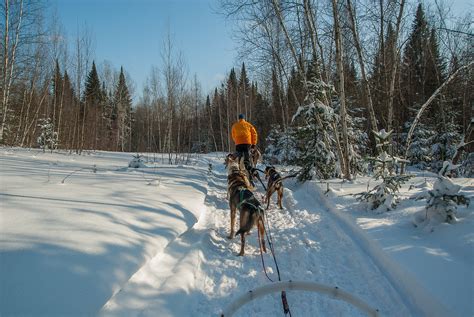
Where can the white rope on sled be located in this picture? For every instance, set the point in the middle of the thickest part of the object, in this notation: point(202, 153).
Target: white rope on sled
point(335, 292)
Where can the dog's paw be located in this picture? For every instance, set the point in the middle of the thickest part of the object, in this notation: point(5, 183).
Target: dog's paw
point(230, 236)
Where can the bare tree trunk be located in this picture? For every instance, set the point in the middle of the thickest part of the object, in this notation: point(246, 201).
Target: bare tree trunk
point(340, 71)
point(35, 117)
point(300, 67)
point(211, 127)
point(60, 115)
point(393, 69)
point(301, 71)
point(221, 125)
point(365, 82)
point(20, 123)
point(9, 66)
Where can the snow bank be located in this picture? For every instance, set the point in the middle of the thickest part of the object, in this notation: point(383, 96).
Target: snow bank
point(68, 247)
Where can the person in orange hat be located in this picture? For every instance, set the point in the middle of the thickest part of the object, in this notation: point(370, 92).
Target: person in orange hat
point(245, 137)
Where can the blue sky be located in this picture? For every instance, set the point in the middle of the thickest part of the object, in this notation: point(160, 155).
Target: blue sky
point(131, 33)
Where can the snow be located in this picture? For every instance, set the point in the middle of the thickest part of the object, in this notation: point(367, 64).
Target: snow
point(117, 241)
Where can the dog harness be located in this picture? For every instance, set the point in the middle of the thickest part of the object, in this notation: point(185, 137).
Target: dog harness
point(247, 198)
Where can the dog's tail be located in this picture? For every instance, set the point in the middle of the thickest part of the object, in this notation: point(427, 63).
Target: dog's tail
point(250, 222)
point(287, 176)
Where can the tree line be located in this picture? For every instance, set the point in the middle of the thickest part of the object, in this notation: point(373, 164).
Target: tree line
point(325, 74)
point(338, 71)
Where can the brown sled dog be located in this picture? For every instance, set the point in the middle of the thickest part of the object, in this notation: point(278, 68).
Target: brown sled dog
point(254, 156)
point(241, 198)
point(275, 184)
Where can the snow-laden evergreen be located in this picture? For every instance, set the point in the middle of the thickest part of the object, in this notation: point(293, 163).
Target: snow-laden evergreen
point(317, 157)
point(441, 201)
point(137, 161)
point(282, 147)
point(384, 196)
point(48, 138)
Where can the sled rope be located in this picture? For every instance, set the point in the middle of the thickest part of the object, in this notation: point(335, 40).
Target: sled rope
point(258, 176)
point(284, 300)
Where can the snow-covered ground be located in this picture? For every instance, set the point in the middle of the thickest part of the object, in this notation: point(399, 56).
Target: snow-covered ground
point(117, 241)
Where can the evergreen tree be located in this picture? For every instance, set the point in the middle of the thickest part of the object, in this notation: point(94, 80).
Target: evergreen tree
point(420, 147)
point(93, 108)
point(441, 201)
point(383, 197)
point(123, 112)
point(92, 91)
point(316, 146)
point(423, 72)
point(244, 92)
point(48, 138)
point(445, 140)
point(281, 146)
point(415, 60)
point(261, 115)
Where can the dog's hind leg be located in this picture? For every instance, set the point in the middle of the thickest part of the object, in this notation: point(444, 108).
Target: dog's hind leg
point(242, 244)
point(261, 230)
point(233, 211)
point(268, 196)
point(280, 197)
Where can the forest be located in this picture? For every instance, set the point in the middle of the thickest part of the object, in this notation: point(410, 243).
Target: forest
point(325, 82)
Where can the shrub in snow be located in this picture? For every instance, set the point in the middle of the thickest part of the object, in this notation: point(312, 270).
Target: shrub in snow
point(442, 201)
point(48, 138)
point(137, 161)
point(384, 196)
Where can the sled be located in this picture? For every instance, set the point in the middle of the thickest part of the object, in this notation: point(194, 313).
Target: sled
point(334, 292)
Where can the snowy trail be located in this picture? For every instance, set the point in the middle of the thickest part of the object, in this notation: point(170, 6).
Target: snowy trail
point(199, 273)
point(117, 241)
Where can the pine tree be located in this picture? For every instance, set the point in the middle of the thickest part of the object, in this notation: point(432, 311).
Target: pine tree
point(92, 91)
point(92, 101)
point(244, 93)
point(70, 111)
point(415, 60)
point(261, 116)
point(317, 155)
point(123, 112)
